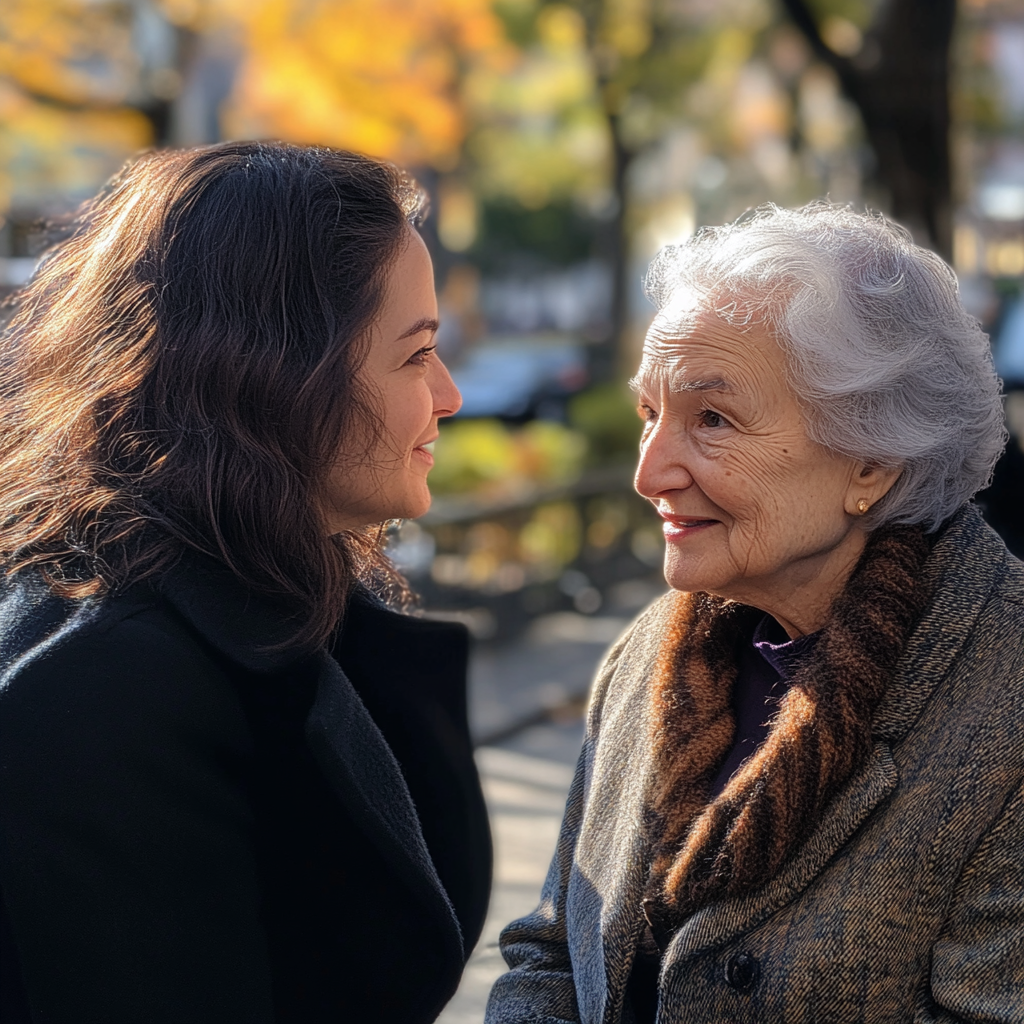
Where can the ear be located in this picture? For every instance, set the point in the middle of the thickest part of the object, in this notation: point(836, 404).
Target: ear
point(870, 483)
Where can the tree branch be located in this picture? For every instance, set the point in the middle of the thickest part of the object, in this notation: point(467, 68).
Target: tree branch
point(801, 16)
point(62, 104)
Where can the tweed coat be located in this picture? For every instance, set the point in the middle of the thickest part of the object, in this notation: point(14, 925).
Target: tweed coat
point(194, 828)
point(906, 902)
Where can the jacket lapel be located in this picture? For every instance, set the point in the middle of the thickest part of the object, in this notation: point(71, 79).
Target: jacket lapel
point(720, 922)
point(356, 760)
point(254, 632)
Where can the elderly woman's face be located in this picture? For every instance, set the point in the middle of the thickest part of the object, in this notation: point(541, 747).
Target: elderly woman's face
point(754, 509)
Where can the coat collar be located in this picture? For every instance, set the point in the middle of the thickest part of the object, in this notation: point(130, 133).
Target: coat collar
point(346, 743)
point(363, 772)
point(246, 627)
point(967, 563)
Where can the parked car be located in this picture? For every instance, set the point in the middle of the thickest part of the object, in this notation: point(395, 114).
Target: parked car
point(520, 378)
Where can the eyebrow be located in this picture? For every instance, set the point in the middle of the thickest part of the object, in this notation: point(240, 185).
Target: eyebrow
point(711, 384)
point(426, 324)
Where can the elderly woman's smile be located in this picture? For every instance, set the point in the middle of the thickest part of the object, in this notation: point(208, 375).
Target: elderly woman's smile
point(754, 509)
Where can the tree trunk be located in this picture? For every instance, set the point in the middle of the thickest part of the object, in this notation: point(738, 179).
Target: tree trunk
point(605, 363)
point(900, 83)
point(614, 242)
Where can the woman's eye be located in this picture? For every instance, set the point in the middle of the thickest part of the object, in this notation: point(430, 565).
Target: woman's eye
point(420, 356)
point(710, 418)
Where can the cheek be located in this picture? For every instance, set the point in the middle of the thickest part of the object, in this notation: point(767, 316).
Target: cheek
point(406, 415)
point(772, 496)
point(749, 480)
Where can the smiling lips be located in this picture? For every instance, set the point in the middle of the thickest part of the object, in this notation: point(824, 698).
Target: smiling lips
point(677, 528)
point(426, 451)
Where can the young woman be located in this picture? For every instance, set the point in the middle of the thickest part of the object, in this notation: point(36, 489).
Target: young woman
point(235, 785)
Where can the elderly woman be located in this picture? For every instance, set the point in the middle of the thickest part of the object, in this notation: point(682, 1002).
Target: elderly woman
point(800, 795)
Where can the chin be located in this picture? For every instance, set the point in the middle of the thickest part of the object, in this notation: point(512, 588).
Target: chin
point(413, 507)
point(683, 574)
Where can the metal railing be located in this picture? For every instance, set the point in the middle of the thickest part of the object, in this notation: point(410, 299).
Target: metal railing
point(585, 547)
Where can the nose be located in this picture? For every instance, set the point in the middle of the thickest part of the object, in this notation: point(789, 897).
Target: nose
point(447, 398)
point(661, 468)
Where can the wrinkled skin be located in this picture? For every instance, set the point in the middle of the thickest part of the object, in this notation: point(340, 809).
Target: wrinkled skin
point(755, 510)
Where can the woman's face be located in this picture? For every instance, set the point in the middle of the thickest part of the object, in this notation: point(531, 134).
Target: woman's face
point(754, 510)
point(413, 390)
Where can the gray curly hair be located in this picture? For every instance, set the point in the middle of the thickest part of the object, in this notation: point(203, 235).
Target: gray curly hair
point(890, 367)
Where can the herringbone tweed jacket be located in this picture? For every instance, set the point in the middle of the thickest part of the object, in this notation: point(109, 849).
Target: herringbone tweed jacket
point(906, 902)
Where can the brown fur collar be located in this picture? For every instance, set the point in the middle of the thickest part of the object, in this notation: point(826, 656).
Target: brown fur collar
point(820, 735)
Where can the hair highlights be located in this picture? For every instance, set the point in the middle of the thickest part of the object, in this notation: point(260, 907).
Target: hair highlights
point(182, 372)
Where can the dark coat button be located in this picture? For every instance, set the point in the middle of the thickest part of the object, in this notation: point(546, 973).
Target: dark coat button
point(741, 971)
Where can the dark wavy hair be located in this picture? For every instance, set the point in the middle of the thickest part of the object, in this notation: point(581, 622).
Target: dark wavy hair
point(182, 372)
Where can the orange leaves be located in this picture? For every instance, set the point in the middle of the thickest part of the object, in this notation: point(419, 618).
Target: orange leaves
point(379, 76)
point(66, 69)
point(70, 51)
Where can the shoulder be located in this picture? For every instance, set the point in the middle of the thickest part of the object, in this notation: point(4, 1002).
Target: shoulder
point(997, 641)
point(398, 658)
point(1011, 586)
point(629, 662)
point(377, 623)
point(105, 678)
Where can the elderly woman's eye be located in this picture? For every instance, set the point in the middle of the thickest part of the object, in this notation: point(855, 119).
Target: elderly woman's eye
point(710, 418)
point(646, 413)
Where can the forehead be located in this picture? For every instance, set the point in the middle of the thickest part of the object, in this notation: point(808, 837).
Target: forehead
point(695, 348)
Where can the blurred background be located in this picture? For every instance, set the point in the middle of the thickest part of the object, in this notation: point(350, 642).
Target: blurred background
point(562, 144)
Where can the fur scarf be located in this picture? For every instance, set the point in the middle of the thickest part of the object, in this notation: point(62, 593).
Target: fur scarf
point(820, 735)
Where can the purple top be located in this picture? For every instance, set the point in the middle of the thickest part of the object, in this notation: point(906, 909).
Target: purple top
point(763, 675)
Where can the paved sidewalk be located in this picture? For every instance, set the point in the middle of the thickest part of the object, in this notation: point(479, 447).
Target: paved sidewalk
point(525, 781)
point(544, 678)
point(550, 666)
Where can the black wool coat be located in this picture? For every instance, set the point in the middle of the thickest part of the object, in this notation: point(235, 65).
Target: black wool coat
point(194, 829)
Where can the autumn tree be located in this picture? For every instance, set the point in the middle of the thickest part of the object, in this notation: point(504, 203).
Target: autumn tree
point(624, 66)
point(382, 77)
point(72, 91)
point(897, 73)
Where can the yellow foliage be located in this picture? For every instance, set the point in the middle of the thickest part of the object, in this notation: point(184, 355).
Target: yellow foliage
point(73, 51)
point(489, 459)
point(67, 69)
point(379, 76)
point(627, 26)
point(46, 151)
point(540, 132)
point(553, 535)
point(732, 48)
point(561, 28)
